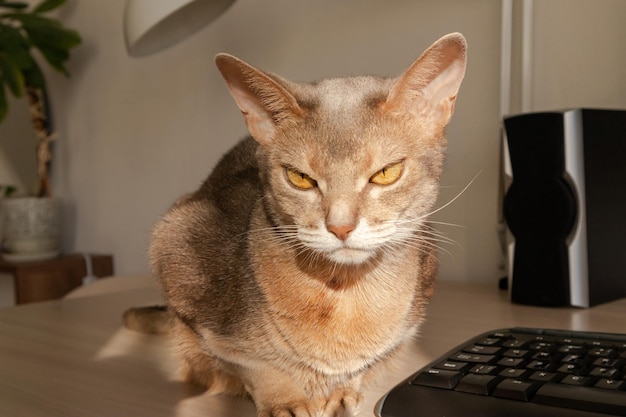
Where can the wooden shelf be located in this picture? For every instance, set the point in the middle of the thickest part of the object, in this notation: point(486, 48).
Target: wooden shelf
point(53, 278)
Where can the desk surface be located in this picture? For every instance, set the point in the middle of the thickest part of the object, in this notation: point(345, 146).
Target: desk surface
point(72, 357)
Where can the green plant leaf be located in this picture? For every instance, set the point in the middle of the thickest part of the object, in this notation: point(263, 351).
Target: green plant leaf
point(54, 56)
point(33, 77)
point(12, 75)
point(13, 43)
point(21, 31)
point(48, 31)
point(4, 105)
point(56, 37)
point(18, 5)
point(47, 5)
point(7, 190)
point(50, 37)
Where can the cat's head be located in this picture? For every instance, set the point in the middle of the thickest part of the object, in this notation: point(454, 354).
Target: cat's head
point(351, 165)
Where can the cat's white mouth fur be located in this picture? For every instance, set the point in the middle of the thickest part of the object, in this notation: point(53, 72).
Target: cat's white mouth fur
point(362, 244)
point(350, 255)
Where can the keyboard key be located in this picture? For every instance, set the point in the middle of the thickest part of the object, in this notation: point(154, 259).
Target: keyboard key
point(575, 359)
point(482, 350)
point(602, 344)
point(576, 380)
point(490, 341)
point(610, 384)
point(515, 389)
point(437, 378)
point(608, 373)
point(516, 353)
point(511, 362)
point(608, 363)
point(483, 369)
point(453, 366)
point(541, 365)
point(584, 398)
point(542, 356)
point(513, 373)
point(545, 377)
point(570, 341)
point(477, 384)
point(515, 343)
point(472, 357)
point(572, 349)
point(573, 369)
point(604, 352)
point(545, 346)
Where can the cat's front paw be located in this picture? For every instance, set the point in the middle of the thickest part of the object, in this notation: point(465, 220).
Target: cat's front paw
point(343, 402)
point(293, 409)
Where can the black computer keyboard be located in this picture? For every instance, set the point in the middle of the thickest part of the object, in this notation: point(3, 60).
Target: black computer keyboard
point(519, 372)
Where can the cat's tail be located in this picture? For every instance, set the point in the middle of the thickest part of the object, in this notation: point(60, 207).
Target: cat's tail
point(153, 319)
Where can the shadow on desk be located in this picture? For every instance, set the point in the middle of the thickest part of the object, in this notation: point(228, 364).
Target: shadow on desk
point(74, 358)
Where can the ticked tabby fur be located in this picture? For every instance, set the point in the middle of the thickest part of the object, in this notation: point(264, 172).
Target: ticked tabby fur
point(306, 257)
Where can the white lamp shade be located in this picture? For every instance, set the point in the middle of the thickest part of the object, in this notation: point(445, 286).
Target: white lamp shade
point(153, 25)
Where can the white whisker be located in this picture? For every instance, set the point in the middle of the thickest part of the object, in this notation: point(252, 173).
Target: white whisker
point(445, 223)
point(455, 197)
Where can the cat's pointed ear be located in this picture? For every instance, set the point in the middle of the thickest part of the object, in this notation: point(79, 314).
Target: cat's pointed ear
point(431, 83)
point(265, 104)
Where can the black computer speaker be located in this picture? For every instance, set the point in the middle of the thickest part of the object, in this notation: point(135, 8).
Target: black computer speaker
point(565, 206)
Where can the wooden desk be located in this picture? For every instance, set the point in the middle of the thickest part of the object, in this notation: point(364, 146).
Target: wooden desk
point(53, 278)
point(72, 357)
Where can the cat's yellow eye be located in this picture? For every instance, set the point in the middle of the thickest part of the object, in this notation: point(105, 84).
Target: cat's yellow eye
point(299, 179)
point(387, 175)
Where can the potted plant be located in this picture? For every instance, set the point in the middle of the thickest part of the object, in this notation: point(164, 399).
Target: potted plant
point(24, 29)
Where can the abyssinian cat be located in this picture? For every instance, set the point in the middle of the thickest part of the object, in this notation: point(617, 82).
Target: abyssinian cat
point(306, 257)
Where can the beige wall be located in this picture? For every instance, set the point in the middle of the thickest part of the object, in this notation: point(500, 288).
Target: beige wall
point(17, 147)
point(136, 133)
point(577, 57)
point(580, 58)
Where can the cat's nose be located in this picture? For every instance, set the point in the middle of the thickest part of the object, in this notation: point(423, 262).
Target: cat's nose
point(341, 232)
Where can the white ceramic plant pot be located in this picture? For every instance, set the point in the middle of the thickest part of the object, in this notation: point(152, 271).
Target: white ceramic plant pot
point(31, 228)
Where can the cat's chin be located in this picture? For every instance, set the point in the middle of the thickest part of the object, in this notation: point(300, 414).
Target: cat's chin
point(349, 256)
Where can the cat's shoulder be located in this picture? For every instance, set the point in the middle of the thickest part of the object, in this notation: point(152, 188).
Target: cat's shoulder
point(234, 182)
point(240, 156)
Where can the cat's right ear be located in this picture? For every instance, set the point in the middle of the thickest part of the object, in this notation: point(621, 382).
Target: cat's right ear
point(430, 86)
point(264, 103)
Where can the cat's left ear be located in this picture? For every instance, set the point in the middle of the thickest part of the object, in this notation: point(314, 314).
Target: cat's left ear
point(264, 103)
point(430, 85)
